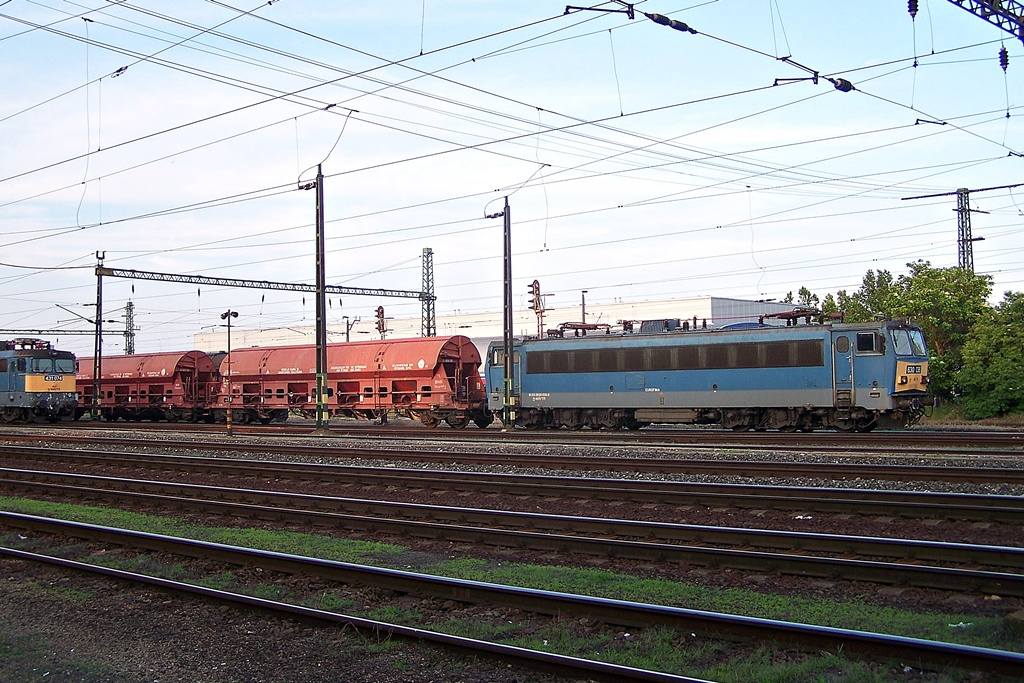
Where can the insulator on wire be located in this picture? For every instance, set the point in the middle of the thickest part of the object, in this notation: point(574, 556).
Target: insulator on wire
point(841, 84)
point(1004, 58)
point(912, 8)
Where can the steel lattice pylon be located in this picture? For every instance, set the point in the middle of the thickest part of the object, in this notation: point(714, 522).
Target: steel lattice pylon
point(428, 324)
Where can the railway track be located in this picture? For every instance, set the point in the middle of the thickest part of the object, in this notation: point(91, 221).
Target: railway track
point(915, 441)
point(926, 654)
point(965, 473)
point(905, 504)
point(958, 567)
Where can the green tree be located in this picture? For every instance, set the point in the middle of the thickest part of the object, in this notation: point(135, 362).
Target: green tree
point(873, 299)
point(806, 298)
point(992, 372)
point(946, 303)
point(829, 306)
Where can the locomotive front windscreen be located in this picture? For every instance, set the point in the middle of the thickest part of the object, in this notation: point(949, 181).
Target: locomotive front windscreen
point(52, 365)
point(908, 342)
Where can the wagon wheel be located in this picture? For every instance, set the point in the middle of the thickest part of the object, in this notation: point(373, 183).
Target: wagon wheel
point(428, 421)
point(456, 422)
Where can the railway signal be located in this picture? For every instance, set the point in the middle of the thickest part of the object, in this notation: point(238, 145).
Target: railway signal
point(382, 325)
point(536, 303)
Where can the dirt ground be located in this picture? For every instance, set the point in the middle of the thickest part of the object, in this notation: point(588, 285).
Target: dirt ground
point(56, 625)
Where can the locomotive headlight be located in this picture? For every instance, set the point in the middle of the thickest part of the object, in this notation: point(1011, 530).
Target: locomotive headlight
point(904, 380)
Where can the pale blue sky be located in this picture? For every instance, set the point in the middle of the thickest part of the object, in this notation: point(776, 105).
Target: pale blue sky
point(641, 162)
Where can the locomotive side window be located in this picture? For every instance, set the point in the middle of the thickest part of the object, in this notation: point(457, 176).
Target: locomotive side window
point(688, 357)
point(717, 356)
point(746, 356)
point(806, 353)
point(3, 365)
point(868, 342)
point(608, 360)
point(842, 344)
point(661, 358)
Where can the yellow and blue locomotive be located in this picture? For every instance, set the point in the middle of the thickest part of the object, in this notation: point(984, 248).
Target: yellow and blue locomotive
point(847, 377)
point(36, 381)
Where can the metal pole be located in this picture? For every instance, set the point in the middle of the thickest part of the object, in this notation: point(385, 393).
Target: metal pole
point(97, 358)
point(965, 245)
point(508, 415)
point(321, 309)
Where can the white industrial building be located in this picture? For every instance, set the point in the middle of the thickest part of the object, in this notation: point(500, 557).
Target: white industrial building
point(482, 328)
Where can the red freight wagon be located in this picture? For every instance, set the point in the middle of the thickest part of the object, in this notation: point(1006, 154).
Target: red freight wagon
point(430, 378)
point(154, 386)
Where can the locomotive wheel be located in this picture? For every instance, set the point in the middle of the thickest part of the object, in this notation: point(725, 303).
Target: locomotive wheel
point(10, 414)
point(456, 422)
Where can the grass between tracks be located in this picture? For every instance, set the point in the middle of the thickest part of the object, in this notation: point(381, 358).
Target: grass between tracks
point(648, 648)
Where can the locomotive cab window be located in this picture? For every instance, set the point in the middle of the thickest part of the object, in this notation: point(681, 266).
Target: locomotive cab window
point(498, 357)
point(868, 342)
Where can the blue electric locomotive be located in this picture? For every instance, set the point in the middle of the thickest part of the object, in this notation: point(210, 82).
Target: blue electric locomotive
point(847, 377)
point(36, 381)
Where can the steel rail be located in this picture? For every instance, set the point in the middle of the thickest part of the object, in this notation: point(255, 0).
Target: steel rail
point(922, 653)
point(1004, 509)
point(672, 465)
point(660, 541)
point(905, 442)
point(533, 659)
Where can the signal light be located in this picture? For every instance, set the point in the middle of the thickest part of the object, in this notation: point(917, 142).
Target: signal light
point(536, 303)
point(382, 325)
